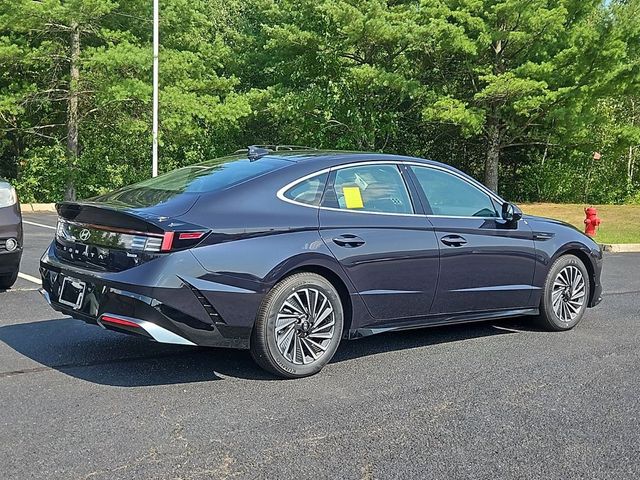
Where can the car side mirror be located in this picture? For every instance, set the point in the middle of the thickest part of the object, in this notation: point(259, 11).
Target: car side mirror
point(510, 212)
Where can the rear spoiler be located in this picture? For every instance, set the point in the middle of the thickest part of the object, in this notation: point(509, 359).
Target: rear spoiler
point(107, 216)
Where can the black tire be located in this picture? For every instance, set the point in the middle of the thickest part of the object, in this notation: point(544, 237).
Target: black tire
point(7, 281)
point(305, 340)
point(569, 315)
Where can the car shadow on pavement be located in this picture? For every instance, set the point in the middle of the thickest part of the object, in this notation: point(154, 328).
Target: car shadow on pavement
point(417, 338)
point(104, 357)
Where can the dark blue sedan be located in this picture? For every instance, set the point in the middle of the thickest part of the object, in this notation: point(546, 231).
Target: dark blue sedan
point(287, 251)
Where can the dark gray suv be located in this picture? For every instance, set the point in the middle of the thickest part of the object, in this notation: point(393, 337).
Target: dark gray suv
point(10, 235)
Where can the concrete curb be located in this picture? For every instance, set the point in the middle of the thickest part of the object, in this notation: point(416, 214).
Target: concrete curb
point(38, 207)
point(621, 247)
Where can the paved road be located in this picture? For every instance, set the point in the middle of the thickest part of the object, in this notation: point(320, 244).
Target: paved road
point(500, 400)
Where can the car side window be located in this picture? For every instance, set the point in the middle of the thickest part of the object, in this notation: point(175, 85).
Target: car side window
point(451, 196)
point(308, 191)
point(369, 188)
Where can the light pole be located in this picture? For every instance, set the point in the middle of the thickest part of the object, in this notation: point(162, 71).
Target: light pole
point(156, 45)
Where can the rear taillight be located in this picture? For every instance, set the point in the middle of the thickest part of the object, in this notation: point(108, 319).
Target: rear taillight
point(167, 241)
point(181, 240)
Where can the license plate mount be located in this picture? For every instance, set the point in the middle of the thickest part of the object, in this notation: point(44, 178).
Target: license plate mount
point(72, 292)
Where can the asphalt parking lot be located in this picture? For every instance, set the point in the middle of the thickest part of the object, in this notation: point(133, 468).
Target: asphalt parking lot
point(490, 400)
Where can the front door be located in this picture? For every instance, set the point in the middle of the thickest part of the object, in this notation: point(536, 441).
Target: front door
point(390, 253)
point(486, 263)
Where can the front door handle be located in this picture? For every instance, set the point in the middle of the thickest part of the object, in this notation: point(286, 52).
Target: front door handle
point(453, 240)
point(348, 240)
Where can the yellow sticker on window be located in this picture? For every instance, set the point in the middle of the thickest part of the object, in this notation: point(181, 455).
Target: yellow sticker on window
point(352, 197)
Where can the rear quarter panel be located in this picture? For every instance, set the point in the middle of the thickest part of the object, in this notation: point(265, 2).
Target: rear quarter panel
point(258, 239)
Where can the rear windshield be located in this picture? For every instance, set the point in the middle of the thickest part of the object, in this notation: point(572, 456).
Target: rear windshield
point(211, 176)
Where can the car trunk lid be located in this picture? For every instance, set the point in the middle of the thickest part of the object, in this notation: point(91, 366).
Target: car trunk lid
point(112, 236)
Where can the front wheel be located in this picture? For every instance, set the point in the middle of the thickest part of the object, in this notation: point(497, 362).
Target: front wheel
point(298, 327)
point(566, 294)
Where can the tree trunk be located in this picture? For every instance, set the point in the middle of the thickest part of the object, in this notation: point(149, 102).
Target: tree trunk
point(493, 158)
point(72, 113)
point(630, 169)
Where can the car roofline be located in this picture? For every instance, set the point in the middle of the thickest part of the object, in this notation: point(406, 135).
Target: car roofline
point(325, 161)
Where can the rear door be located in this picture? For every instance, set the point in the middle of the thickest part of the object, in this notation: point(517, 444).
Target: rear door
point(486, 263)
point(388, 250)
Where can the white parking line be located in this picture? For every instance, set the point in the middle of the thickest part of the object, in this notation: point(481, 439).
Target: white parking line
point(38, 224)
point(29, 278)
point(512, 330)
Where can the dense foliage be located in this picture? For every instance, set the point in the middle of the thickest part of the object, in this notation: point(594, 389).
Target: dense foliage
point(520, 91)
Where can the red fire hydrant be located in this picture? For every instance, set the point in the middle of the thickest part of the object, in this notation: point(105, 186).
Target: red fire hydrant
point(591, 222)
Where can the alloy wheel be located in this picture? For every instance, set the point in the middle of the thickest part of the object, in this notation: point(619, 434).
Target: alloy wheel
point(305, 326)
point(568, 294)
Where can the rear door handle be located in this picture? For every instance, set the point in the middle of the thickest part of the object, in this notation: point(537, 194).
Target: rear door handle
point(453, 240)
point(348, 240)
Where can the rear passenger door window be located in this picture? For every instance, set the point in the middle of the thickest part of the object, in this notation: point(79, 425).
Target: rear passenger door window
point(376, 188)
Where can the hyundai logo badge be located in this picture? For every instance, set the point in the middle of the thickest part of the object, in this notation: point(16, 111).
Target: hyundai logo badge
point(85, 234)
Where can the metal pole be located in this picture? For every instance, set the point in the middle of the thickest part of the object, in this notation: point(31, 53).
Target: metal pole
point(156, 45)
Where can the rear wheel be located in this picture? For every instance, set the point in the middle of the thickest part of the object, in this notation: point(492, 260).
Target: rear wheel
point(565, 295)
point(7, 281)
point(299, 326)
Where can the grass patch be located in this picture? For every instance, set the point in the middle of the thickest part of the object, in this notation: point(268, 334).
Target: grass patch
point(620, 223)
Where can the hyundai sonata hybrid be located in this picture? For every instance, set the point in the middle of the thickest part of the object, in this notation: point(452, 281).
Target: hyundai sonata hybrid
point(10, 235)
point(287, 251)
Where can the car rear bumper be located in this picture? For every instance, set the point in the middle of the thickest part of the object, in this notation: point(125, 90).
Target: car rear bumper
point(162, 304)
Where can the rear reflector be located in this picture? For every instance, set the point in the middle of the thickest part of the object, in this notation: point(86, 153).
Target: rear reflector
point(191, 235)
point(118, 321)
point(167, 241)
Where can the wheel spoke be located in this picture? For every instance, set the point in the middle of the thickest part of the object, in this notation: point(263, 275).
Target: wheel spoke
point(320, 309)
point(302, 305)
point(320, 335)
point(325, 313)
point(580, 291)
point(291, 306)
point(285, 338)
point(286, 323)
point(321, 347)
point(578, 295)
point(296, 339)
point(290, 344)
point(571, 308)
point(323, 327)
point(306, 343)
point(576, 305)
point(314, 310)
